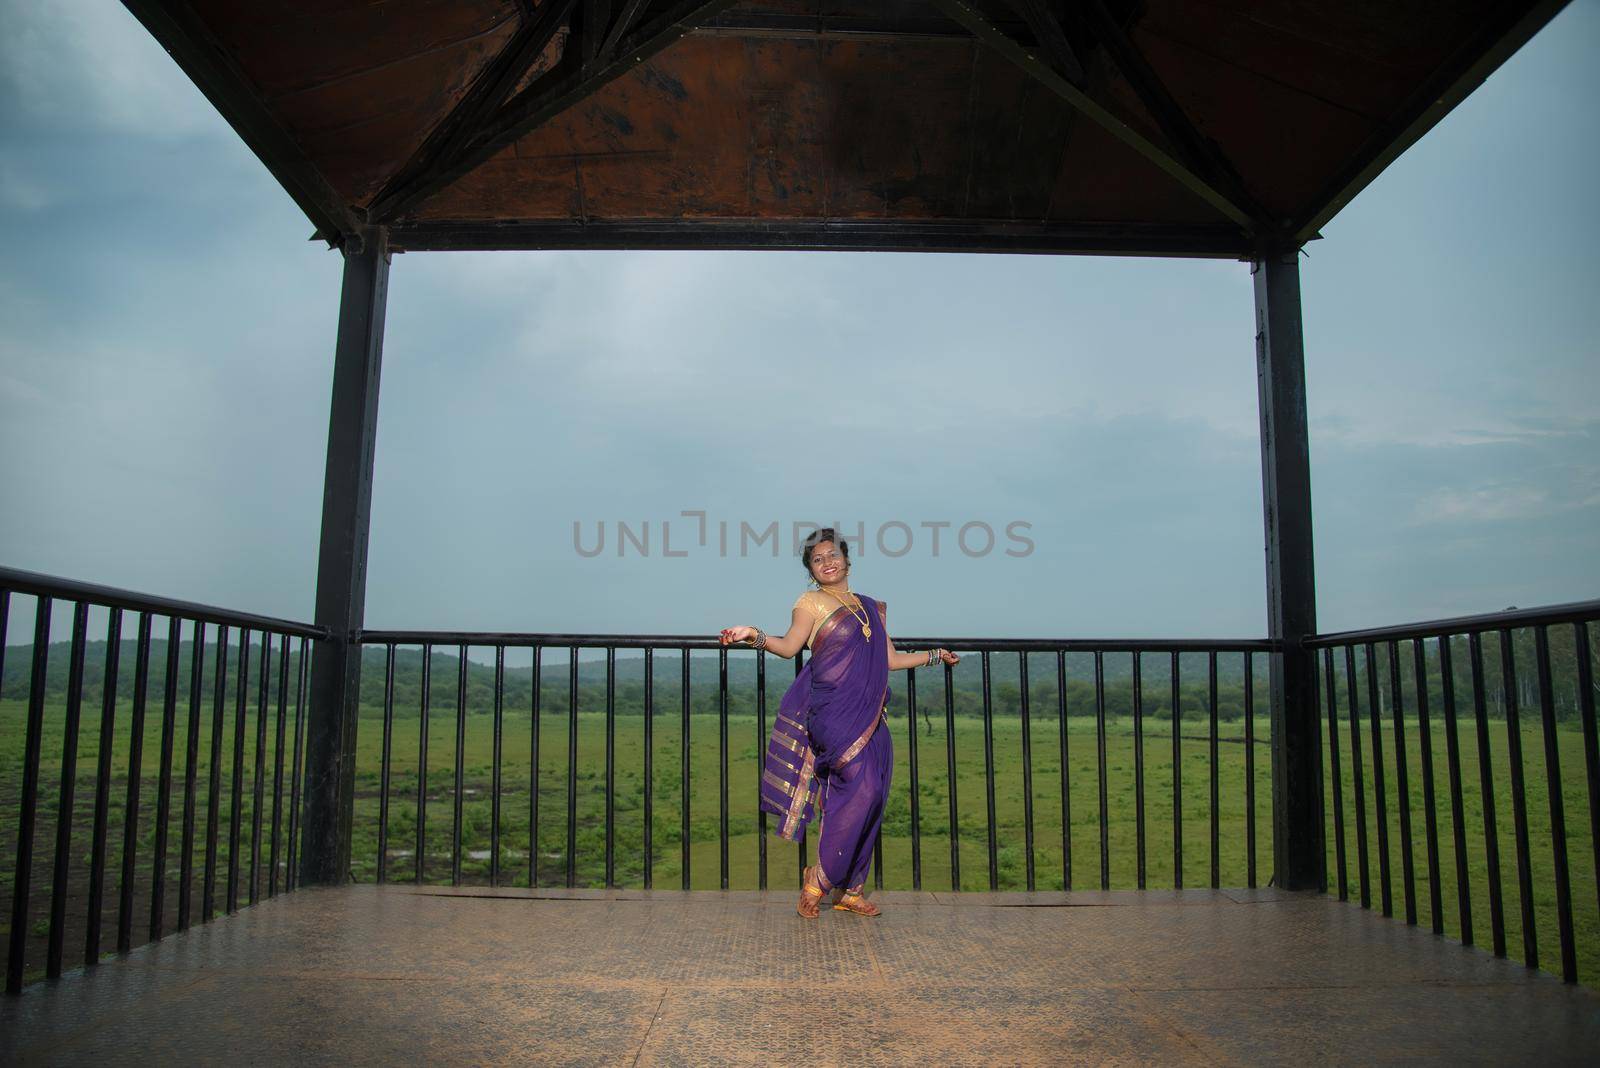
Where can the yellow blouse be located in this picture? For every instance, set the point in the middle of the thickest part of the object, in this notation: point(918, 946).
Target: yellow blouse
point(820, 605)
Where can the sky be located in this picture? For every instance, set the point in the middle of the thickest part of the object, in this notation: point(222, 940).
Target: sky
point(166, 344)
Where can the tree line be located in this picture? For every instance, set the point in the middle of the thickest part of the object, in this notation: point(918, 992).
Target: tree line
point(966, 696)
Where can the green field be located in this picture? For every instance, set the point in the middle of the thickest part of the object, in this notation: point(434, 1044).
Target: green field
point(743, 755)
point(744, 747)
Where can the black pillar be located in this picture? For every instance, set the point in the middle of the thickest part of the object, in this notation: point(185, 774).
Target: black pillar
point(342, 562)
point(1291, 595)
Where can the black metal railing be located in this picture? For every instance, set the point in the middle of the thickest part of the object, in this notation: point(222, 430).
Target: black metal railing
point(1400, 679)
point(587, 846)
point(48, 723)
point(1154, 749)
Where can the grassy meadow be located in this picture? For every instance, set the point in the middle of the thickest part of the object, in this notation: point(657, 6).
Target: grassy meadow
point(745, 744)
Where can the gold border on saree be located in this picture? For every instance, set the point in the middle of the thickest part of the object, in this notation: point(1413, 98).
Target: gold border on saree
point(796, 724)
point(801, 794)
point(866, 735)
point(792, 744)
point(784, 762)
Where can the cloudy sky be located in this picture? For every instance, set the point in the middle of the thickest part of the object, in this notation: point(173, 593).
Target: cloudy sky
point(166, 357)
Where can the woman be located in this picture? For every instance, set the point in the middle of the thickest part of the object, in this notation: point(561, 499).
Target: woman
point(827, 752)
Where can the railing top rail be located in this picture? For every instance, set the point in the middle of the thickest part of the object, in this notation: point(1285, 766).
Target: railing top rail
point(700, 641)
point(1571, 612)
point(111, 597)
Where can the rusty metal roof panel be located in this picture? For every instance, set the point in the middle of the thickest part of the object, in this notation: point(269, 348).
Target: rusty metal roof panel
point(1246, 121)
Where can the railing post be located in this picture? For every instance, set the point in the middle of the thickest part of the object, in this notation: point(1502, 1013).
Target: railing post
point(342, 561)
point(1297, 841)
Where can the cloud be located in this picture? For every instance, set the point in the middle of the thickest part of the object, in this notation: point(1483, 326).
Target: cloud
point(915, 348)
point(1484, 504)
point(1422, 424)
point(20, 191)
point(88, 64)
point(16, 393)
point(1554, 486)
point(169, 336)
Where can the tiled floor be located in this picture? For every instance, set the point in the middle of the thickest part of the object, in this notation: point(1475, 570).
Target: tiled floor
point(418, 975)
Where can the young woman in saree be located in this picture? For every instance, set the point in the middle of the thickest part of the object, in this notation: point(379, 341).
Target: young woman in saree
point(827, 754)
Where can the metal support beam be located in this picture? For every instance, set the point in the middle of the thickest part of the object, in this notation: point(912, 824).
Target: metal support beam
point(555, 92)
point(758, 25)
point(590, 21)
point(1496, 39)
point(986, 31)
point(1202, 155)
point(214, 71)
point(1291, 593)
point(621, 25)
point(487, 92)
point(342, 562)
point(1052, 39)
point(894, 235)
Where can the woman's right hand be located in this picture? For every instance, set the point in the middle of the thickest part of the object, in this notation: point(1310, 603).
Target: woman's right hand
point(734, 635)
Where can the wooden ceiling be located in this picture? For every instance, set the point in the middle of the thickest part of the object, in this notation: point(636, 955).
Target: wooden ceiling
point(1176, 127)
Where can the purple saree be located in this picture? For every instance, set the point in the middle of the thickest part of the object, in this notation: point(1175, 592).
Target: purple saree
point(826, 753)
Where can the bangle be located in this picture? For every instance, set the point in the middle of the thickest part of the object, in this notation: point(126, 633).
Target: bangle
point(760, 640)
point(933, 657)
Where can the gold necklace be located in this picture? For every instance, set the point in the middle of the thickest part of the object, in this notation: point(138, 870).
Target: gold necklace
point(862, 619)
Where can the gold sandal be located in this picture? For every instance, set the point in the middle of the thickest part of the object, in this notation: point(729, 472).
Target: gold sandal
point(811, 894)
point(856, 902)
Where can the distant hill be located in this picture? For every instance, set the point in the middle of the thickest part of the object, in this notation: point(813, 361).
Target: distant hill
point(629, 683)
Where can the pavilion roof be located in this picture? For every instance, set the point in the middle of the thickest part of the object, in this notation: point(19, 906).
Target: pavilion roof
point(1185, 127)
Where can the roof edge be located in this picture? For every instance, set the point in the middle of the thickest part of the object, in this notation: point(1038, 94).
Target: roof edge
point(823, 235)
point(1466, 69)
point(213, 71)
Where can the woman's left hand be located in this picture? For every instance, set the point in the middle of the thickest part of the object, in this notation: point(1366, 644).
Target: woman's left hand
point(948, 657)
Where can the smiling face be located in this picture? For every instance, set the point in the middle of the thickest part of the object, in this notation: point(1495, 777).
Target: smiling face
point(828, 565)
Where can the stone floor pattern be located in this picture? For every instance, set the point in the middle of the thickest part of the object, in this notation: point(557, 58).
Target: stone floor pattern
point(433, 975)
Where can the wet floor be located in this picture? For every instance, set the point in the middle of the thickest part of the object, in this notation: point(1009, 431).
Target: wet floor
point(368, 974)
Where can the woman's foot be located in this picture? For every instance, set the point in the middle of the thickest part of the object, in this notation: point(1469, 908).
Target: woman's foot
point(856, 902)
point(811, 893)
